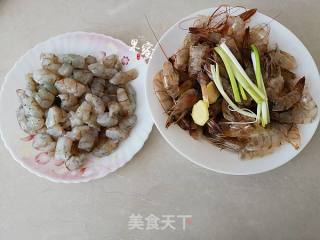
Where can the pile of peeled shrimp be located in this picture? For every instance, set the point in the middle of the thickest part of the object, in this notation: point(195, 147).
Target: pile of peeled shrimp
point(77, 105)
point(201, 86)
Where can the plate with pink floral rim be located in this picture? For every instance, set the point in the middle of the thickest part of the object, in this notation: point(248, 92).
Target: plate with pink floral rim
point(205, 154)
point(43, 164)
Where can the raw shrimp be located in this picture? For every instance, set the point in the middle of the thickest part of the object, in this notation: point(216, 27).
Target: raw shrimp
point(63, 148)
point(105, 147)
point(302, 112)
point(51, 88)
point(163, 97)
point(31, 86)
point(55, 116)
point(78, 132)
point(30, 106)
point(116, 133)
point(90, 60)
point(97, 86)
point(84, 111)
point(112, 61)
point(87, 140)
point(56, 131)
point(287, 101)
point(43, 142)
point(47, 59)
point(29, 124)
point(99, 70)
point(75, 60)
point(82, 75)
point(128, 122)
point(75, 162)
point(114, 109)
point(106, 120)
point(68, 101)
point(183, 104)
point(261, 142)
point(170, 79)
point(43, 76)
point(127, 108)
point(181, 59)
point(44, 98)
point(69, 85)
point(75, 120)
point(197, 56)
point(96, 103)
point(131, 95)
point(124, 77)
point(65, 70)
point(274, 87)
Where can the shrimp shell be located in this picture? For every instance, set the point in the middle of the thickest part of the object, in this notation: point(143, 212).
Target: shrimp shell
point(181, 59)
point(287, 101)
point(170, 79)
point(163, 97)
point(196, 60)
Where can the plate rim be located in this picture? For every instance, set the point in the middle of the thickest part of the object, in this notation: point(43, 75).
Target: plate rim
point(39, 174)
point(252, 172)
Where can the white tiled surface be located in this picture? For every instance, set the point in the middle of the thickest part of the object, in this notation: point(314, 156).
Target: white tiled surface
point(281, 204)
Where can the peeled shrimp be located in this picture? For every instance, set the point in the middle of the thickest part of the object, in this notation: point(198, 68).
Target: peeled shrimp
point(30, 106)
point(31, 86)
point(75, 60)
point(112, 61)
point(68, 101)
point(183, 104)
point(287, 101)
point(97, 86)
point(116, 133)
point(63, 148)
point(105, 147)
point(43, 142)
point(114, 108)
point(29, 124)
point(96, 103)
point(124, 77)
point(163, 97)
point(51, 88)
point(170, 79)
point(44, 98)
point(88, 139)
point(128, 122)
point(84, 111)
point(99, 70)
point(71, 86)
point(90, 60)
point(43, 76)
point(55, 116)
point(75, 162)
point(126, 107)
point(56, 131)
point(65, 70)
point(82, 75)
point(106, 120)
point(47, 59)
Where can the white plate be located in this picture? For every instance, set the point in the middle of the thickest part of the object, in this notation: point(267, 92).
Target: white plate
point(207, 155)
point(80, 43)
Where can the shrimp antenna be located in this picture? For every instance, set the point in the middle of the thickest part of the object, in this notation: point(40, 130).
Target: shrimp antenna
point(155, 36)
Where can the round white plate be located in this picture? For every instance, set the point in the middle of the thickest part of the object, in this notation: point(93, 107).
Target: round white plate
point(207, 155)
point(79, 43)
